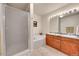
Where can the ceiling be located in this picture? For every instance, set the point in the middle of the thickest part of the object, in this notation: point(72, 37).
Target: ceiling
point(22, 6)
point(39, 8)
point(44, 8)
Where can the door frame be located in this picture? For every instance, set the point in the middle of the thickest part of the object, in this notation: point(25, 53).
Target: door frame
point(3, 43)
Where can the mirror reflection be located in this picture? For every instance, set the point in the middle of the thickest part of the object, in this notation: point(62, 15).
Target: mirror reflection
point(67, 24)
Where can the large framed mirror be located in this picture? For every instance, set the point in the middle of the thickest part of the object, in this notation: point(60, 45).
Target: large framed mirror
point(67, 24)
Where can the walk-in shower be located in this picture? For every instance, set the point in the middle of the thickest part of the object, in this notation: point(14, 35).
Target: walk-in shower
point(16, 30)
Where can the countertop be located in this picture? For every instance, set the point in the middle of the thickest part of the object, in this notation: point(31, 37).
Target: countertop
point(65, 35)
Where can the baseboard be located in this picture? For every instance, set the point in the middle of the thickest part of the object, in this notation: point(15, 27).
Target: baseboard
point(23, 53)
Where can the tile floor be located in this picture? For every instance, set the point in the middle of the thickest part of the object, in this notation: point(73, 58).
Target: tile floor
point(46, 51)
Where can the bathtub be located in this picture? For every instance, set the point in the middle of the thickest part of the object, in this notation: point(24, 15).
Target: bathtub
point(39, 41)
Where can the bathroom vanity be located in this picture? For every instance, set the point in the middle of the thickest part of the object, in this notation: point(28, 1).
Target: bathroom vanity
point(68, 44)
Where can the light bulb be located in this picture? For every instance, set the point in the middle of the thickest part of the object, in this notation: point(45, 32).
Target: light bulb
point(61, 16)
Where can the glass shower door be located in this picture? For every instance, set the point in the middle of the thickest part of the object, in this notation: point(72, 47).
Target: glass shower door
point(16, 30)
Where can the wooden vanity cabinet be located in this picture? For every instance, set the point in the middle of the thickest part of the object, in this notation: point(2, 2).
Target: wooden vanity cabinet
point(49, 40)
point(53, 41)
point(69, 47)
point(56, 42)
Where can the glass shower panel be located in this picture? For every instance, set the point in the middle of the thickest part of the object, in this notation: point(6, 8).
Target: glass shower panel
point(16, 30)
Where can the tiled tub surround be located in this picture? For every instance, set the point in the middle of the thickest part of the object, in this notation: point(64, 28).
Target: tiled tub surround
point(64, 43)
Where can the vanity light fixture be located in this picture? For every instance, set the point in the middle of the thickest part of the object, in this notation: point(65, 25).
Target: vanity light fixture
point(49, 18)
point(64, 13)
point(61, 16)
point(75, 10)
point(70, 12)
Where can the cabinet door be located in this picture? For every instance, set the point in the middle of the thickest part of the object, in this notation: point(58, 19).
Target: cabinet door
point(69, 48)
point(49, 40)
point(53, 41)
point(56, 42)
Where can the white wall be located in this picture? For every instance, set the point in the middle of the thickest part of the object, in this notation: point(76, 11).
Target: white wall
point(46, 18)
point(45, 24)
point(34, 30)
point(37, 30)
point(54, 24)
